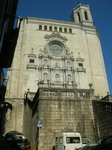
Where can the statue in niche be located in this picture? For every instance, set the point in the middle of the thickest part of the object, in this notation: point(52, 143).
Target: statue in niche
point(57, 76)
point(45, 62)
point(68, 64)
point(57, 65)
point(69, 77)
point(45, 76)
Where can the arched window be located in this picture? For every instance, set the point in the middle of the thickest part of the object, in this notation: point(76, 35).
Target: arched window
point(50, 28)
point(60, 29)
point(86, 15)
point(78, 14)
point(55, 28)
point(40, 27)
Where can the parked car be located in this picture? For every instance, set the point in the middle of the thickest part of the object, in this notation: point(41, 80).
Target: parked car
point(88, 146)
point(11, 135)
point(102, 144)
point(17, 140)
point(105, 144)
point(85, 141)
point(21, 144)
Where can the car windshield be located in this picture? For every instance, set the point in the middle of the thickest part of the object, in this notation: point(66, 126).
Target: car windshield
point(70, 140)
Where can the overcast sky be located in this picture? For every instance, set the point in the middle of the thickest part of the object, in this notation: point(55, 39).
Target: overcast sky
point(61, 10)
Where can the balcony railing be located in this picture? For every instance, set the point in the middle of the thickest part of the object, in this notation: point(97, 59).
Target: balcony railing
point(55, 93)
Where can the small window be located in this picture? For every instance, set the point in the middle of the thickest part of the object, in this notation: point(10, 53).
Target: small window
point(31, 61)
point(81, 65)
point(60, 29)
point(55, 28)
point(40, 27)
point(45, 27)
point(70, 30)
point(86, 15)
point(65, 30)
point(78, 14)
point(50, 28)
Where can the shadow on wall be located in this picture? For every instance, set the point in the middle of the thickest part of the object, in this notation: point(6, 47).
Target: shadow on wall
point(4, 106)
point(32, 104)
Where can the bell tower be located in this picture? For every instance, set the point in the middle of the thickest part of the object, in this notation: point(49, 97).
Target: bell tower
point(82, 15)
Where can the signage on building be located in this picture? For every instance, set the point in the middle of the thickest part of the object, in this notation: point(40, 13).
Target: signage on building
point(39, 123)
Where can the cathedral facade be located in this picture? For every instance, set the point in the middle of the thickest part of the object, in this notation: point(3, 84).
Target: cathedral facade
point(64, 62)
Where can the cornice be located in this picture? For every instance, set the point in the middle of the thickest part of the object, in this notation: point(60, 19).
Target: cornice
point(57, 23)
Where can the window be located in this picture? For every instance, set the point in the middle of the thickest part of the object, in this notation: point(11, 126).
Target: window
point(78, 14)
point(40, 27)
point(70, 30)
point(56, 48)
point(70, 140)
point(60, 29)
point(65, 30)
point(81, 65)
point(55, 28)
point(50, 28)
point(45, 27)
point(31, 61)
point(86, 15)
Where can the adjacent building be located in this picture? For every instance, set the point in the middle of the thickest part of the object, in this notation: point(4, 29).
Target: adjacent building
point(8, 38)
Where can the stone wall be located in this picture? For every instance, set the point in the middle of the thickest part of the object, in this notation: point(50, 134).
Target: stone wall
point(30, 120)
point(103, 118)
point(57, 114)
point(14, 117)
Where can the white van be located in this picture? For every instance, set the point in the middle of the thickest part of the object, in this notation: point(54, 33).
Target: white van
point(68, 141)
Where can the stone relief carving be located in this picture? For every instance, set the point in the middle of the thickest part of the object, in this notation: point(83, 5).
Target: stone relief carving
point(57, 71)
point(54, 36)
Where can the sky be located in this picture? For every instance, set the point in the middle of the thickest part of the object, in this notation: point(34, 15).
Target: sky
point(61, 10)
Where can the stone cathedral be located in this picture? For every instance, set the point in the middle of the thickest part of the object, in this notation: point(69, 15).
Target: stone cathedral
point(57, 71)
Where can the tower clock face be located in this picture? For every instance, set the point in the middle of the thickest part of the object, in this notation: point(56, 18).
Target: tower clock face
point(56, 49)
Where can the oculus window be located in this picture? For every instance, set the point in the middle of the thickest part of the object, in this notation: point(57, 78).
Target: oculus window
point(56, 49)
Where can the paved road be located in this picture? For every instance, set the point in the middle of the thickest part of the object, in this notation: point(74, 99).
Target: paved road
point(5, 146)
